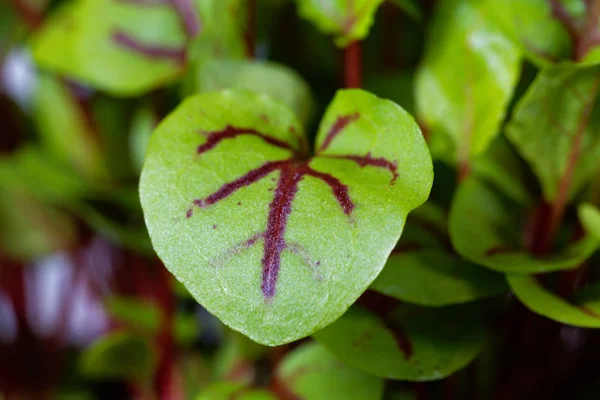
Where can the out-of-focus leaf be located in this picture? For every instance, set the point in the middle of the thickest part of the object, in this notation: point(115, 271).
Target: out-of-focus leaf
point(232, 390)
point(185, 328)
point(122, 47)
point(556, 128)
point(347, 20)
point(488, 228)
point(412, 8)
point(415, 344)
point(584, 311)
point(465, 80)
point(66, 128)
point(311, 372)
point(278, 81)
point(143, 123)
point(589, 216)
point(119, 355)
point(135, 313)
point(246, 247)
point(234, 361)
point(434, 278)
point(396, 86)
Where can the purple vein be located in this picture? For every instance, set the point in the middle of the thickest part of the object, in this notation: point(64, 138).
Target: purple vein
point(337, 127)
point(154, 52)
point(340, 191)
point(230, 132)
point(369, 160)
point(188, 15)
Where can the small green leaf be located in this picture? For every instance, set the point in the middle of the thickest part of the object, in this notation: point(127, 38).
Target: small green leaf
point(556, 128)
point(273, 242)
point(119, 355)
point(590, 218)
point(280, 82)
point(419, 344)
point(584, 312)
point(311, 372)
point(135, 313)
point(118, 46)
point(348, 20)
point(463, 106)
point(487, 228)
point(232, 390)
point(434, 278)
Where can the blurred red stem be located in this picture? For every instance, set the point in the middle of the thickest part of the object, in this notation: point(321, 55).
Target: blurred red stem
point(250, 34)
point(352, 65)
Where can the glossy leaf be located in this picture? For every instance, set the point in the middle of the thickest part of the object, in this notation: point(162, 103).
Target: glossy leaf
point(119, 355)
point(489, 228)
point(464, 105)
point(556, 128)
point(434, 278)
point(232, 203)
point(278, 81)
point(583, 312)
point(415, 344)
point(347, 20)
point(590, 218)
point(122, 47)
point(311, 372)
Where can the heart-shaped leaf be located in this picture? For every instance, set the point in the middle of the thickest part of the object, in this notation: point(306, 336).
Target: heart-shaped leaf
point(275, 243)
point(311, 372)
point(283, 83)
point(348, 20)
point(124, 47)
point(489, 228)
point(584, 311)
point(556, 128)
point(415, 344)
point(463, 106)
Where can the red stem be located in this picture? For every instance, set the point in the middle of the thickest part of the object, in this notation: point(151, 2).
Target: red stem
point(30, 15)
point(250, 35)
point(352, 65)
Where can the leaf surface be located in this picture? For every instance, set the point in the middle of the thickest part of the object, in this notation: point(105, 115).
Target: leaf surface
point(275, 244)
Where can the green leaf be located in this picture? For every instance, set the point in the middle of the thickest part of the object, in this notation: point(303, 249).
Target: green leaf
point(532, 25)
point(589, 216)
point(556, 128)
point(583, 312)
point(487, 228)
point(412, 8)
point(311, 372)
point(121, 47)
point(135, 313)
point(434, 278)
point(278, 81)
point(417, 344)
point(348, 20)
point(396, 86)
point(274, 244)
point(232, 390)
point(463, 106)
point(144, 121)
point(119, 355)
point(236, 357)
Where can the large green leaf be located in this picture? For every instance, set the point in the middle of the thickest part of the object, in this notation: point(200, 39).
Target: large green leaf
point(435, 278)
point(584, 311)
point(274, 243)
point(311, 372)
point(465, 80)
point(556, 128)
point(348, 20)
point(283, 83)
point(416, 344)
point(119, 355)
point(488, 228)
point(123, 47)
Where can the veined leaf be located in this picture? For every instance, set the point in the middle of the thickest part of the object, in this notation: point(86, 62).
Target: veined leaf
point(488, 228)
point(465, 80)
point(283, 83)
point(583, 312)
point(556, 128)
point(416, 344)
point(276, 243)
point(348, 20)
point(311, 372)
point(125, 47)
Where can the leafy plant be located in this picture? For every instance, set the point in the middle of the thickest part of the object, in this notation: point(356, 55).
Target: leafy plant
point(235, 199)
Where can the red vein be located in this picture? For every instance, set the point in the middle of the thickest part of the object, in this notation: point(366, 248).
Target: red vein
point(340, 191)
point(231, 132)
point(230, 187)
point(188, 15)
point(155, 52)
point(338, 126)
point(369, 160)
point(563, 16)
